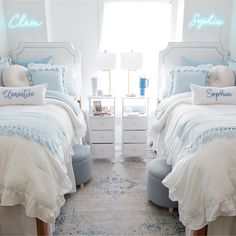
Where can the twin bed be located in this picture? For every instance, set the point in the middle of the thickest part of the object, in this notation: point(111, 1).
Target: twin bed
point(196, 135)
point(36, 146)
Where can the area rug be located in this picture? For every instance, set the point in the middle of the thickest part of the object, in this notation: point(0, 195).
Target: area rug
point(115, 202)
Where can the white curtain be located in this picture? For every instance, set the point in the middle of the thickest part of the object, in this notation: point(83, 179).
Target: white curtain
point(141, 26)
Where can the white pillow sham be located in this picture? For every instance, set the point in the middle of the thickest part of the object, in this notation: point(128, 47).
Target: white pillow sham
point(206, 95)
point(15, 76)
point(33, 95)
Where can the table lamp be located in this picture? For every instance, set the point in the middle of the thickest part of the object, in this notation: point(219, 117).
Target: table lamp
point(106, 62)
point(131, 62)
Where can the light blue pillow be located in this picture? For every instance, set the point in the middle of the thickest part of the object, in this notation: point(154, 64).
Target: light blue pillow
point(46, 60)
point(183, 79)
point(52, 75)
point(189, 62)
point(4, 64)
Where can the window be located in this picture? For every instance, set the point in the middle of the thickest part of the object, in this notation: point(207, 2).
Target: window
point(140, 26)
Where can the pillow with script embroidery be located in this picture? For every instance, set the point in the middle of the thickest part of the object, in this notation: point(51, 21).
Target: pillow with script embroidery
point(205, 95)
point(32, 95)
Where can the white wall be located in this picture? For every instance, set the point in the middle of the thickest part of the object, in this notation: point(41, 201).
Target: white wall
point(220, 8)
point(233, 32)
point(78, 22)
point(177, 20)
point(34, 9)
point(3, 33)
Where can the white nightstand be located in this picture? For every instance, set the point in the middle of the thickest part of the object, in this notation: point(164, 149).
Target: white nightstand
point(102, 126)
point(134, 126)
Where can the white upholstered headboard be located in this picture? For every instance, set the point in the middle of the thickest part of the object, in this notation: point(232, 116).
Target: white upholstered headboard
point(63, 52)
point(170, 57)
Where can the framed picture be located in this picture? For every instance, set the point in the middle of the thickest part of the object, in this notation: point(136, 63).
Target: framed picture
point(97, 106)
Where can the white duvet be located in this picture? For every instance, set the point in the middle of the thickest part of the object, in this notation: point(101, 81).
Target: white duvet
point(29, 174)
point(202, 181)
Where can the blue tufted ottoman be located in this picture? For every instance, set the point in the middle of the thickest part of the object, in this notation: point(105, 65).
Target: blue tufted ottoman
point(157, 192)
point(82, 164)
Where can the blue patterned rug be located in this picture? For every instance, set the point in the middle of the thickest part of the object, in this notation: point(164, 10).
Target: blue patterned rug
point(115, 202)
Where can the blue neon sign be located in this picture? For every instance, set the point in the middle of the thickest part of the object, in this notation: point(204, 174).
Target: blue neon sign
point(199, 22)
point(22, 21)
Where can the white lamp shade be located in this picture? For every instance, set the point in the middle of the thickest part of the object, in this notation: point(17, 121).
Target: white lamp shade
point(105, 61)
point(131, 61)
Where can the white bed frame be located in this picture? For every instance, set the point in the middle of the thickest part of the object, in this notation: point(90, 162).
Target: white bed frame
point(63, 54)
point(170, 57)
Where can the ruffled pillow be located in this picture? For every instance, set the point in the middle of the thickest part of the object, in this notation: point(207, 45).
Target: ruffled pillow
point(182, 77)
point(50, 74)
point(15, 76)
point(72, 80)
point(33, 95)
point(67, 77)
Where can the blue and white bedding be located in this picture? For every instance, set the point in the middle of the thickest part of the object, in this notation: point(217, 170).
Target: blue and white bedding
point(199, 141)
point(35, 144)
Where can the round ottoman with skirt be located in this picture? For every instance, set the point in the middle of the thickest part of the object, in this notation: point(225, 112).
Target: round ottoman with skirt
point(82, 164)
point(157, 192)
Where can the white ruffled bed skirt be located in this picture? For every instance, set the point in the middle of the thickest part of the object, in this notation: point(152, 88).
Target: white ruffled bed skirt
point(13, 220)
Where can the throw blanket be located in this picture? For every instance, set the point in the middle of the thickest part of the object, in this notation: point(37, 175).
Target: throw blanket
point(196, 125)
point(43, 128)
point(31, 174)
point(199, 142)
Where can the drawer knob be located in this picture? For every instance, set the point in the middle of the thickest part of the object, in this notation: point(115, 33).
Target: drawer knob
point(102, 137)
point(133, 149)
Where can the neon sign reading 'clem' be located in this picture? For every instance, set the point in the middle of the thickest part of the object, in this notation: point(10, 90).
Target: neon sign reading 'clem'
point(22, 21)
point(199, 22)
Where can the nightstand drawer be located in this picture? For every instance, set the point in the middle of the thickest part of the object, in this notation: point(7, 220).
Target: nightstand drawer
point(135, 123)
point(102, 150)
point(101, 123)
point(103, 136)
point(134, 136)
point(134, 150)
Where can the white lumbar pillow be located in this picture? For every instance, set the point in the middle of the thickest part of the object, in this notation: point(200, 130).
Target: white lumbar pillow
point(205, 95)
point(32, 95)
point(15, 76)
point(221, 76)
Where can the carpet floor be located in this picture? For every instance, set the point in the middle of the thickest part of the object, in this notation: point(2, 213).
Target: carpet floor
point(115, 202)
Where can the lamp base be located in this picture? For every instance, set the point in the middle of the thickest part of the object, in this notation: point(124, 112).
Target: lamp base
point(131, 95)
point(107, 95)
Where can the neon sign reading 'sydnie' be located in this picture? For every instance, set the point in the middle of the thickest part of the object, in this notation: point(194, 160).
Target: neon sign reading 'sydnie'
point(22, 21)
